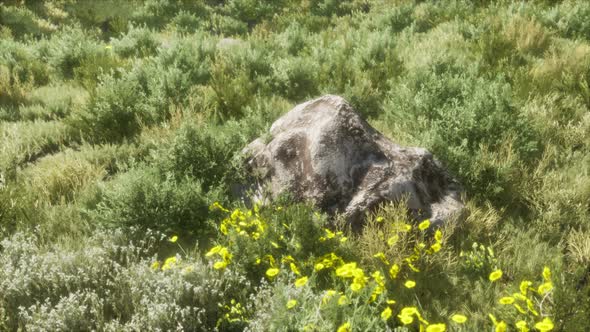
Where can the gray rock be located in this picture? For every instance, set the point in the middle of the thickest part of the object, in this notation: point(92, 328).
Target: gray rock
point(323, 151)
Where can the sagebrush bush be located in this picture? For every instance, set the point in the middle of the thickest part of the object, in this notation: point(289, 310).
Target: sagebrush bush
point(108, 284)
point(138, 42)
point(23, 22)
point(20, 71)
point(149, 198)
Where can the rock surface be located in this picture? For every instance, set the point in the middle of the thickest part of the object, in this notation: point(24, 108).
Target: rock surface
point(323, 151)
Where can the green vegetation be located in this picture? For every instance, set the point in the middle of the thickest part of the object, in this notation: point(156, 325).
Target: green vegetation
point(121, 126)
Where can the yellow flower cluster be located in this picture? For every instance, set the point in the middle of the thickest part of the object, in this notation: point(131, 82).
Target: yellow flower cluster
point(524, 302)
point(250, 224)
point(351, 271)
point(224, 255)
point(328, 261)
point(331, 235)
point(234, 312)
point(245, 224)
point(169, 263)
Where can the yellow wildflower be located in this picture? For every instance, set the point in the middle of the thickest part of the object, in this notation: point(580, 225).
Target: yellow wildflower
point(213, 251)
point(531, 307)
point(344, 328)
point(272, 272)
point(438, 236)
point(346, 270)
point(436, 328)
point(382, 257)
point(493, 318)
point(413, 268)
point(378, 277)
point(409, 311)
point(294, 268)
point(506, 300)
point(386, 314)
point(410, 284)
point(155, 265)
point(220, 265)
point(545, 325)
point(436, 247)
point(319, 267)
point(495, 275)
point(301, 282)
point(379, 219)
point(424, 225)
point(545, 287)
point(519, 308)
point(522, 327)
point(390, 301)
point(173, 239)
point(406, 319)
point(459, 319)
point(291, 304)
point(546, 274)
point(329, 233)
point(524, 285)
point(501, 327)
point(218, 206)
point(393, 271)
point(169, 263)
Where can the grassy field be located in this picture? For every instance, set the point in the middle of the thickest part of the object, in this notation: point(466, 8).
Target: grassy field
point(121, 125)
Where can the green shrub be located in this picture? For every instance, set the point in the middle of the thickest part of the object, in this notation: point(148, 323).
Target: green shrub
point(252, 12)
point(147, 198)
point(70, 48)
point(458, 117)
point(108, 18)
point(23, 22)
point(114, 111)
point(20, 72)
point(137, 42)
point(296, 78)
point(205, 152)
point(570, 19)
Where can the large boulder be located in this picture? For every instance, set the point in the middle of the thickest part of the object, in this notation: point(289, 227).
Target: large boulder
point(323, 151)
